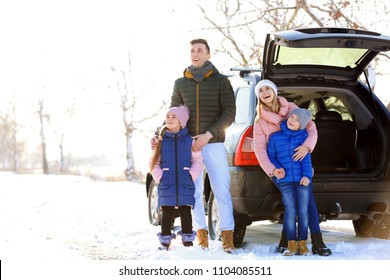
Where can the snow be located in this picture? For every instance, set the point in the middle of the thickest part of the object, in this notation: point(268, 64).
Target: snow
point(51, 222)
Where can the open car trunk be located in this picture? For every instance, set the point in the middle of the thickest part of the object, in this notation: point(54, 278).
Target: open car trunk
point(319, 69)
point(350, 140)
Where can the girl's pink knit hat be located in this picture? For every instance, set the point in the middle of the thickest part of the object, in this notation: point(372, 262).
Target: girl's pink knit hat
point(182, 113)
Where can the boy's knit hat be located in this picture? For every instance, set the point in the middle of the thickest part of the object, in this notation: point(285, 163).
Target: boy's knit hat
point(182, 113)
point(262, 83)
point(304, 116)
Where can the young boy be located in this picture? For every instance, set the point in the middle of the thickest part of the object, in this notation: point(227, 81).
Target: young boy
point(293, 178)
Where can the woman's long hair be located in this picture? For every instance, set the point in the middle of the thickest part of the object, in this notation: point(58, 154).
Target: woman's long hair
point(275, 106)
point(157, 150)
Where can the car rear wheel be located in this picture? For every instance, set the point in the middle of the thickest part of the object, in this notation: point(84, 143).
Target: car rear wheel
point(238, 235)
point(153, 209)
point(364, 227)
point(213, 218)
point(214, 224)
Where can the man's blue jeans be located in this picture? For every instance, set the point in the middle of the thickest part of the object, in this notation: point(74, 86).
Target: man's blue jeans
point(296, 199)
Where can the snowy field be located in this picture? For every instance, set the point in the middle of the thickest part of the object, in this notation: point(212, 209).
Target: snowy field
point(72, 226)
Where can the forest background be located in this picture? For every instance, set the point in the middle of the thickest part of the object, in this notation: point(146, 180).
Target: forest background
point(84, 84)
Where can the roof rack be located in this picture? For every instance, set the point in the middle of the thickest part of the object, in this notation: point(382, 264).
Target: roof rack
point(245, 71)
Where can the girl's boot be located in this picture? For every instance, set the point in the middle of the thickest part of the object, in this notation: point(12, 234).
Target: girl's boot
point(187, 238)
point(165, 241)
point(302, 248)
point(292, 247)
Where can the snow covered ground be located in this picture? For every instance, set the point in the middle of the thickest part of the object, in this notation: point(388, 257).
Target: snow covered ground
point(63, 224)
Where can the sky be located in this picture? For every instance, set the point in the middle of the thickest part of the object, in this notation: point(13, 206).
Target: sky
point(72, 227)
point(64, 50)
point(63, 42)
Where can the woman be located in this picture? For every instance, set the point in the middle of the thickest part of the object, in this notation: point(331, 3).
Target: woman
point(272, 110)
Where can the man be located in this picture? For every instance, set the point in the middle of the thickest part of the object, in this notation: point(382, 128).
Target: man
point(210, 98)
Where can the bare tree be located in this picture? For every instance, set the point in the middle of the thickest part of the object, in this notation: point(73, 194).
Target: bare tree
point(59, 132)
point(10, 147)
point(6, 125)
point(43, 119)
point(131, 121)
point(14, 130)
point(242, 24)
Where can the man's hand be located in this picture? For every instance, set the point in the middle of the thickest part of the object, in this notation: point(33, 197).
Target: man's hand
point(300, 153)
point(201, 140)
point(305, 181)
point(279, 173)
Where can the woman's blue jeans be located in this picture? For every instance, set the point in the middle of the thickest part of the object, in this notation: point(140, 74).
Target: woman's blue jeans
point(296, 200)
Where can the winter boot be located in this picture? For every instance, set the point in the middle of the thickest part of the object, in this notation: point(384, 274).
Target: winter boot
point(302, 248)
point(227, 241)
point(187, 238)
point(282, 243)
point(318, 246)
point(292, 247)
point(203, 238)
point(165, 241)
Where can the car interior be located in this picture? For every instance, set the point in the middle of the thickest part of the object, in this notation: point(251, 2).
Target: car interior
point(348, 138)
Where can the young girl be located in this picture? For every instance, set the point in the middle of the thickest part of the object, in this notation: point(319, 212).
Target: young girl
point(272, 110)
point(175, 167)
point(293, 178)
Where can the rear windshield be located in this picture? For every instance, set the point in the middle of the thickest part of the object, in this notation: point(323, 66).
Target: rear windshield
point(336, 57)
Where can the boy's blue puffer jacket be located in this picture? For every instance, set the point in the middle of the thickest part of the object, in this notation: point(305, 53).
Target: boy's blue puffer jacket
point(280, 150)
point(176, 187)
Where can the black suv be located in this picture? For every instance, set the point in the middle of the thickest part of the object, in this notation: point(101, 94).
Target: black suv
point(322, 69)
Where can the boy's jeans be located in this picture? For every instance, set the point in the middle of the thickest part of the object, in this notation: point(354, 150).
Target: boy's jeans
point(314, 222)
point(296, 203)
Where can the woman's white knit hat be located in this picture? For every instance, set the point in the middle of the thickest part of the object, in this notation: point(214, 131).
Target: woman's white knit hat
point(266, 83)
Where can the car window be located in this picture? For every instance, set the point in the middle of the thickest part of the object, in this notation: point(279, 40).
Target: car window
point(242, 101)
point(319, 56)
point(332, 104)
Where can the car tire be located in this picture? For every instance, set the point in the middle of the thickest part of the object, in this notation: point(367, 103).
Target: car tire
point(213, 218)
point(381, 230)
point(363, 226)
point(215, 225)
point(238, 235)
point(153, 209)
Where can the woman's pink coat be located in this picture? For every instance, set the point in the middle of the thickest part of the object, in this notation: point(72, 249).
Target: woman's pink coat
point(268, 123)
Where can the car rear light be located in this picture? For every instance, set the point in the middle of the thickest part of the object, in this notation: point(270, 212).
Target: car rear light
point(244, 152)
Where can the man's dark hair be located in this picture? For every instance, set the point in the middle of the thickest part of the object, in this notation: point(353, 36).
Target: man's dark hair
point(202, 41)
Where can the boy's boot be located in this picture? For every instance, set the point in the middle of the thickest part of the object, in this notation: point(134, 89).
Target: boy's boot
point(227, 241)
point(187, 238)
point(165, 241)
point(282, 243)
point(318, 246)
point(292, 247)
point(203, 238)
point(302, 248)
